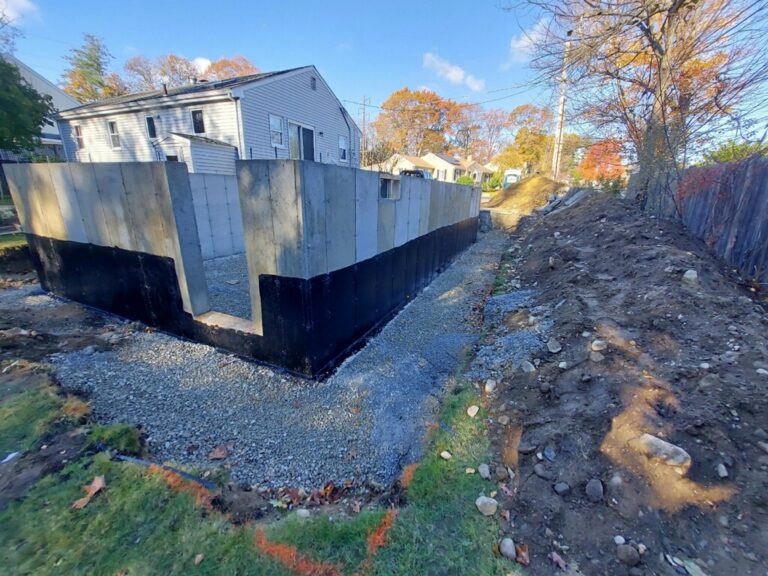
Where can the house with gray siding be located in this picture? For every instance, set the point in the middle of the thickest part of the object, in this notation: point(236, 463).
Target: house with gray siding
point(208, 125)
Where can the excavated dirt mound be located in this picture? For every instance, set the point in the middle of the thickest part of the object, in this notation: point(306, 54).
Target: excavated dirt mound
point(680, 358)
point(525, 196)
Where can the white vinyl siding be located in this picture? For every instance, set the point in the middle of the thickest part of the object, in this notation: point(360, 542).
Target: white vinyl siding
point(293, 99)
point(212, 158)
point(343, 149)
point(220, 124)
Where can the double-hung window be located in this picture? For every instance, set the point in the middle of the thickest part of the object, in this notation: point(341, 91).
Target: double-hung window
point(198, 124)
point(151, 130)
point(114, 135)
point(343, 149)
point(276, 131)
point(77, 130)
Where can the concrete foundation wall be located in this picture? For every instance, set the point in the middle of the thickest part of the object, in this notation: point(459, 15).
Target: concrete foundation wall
point(218, 215)
point(137, 206)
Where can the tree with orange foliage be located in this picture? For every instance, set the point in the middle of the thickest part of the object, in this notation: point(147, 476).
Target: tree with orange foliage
point(669, 74)
point(602, 161)
point(225, 68)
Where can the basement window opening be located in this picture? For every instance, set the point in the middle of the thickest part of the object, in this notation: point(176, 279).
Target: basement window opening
point(389, 188)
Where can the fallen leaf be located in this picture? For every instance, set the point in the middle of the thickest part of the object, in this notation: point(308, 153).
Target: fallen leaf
point(356, 507)
point(198, 559)
point(470, 470)
point(219, 453)
point(522, 554)
point(91, 490)
point(558, 561)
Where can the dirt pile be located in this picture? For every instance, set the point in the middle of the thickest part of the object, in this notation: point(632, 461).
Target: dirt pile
point(637, 433)
point(525, 196)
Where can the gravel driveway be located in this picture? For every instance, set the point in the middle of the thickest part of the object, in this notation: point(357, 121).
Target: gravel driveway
point(361, 424)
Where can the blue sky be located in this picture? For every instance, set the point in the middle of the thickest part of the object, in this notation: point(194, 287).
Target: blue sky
point(469, 51)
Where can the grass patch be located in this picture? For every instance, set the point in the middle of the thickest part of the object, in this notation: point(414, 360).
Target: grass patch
point(6, 199)
point(11, 240)
point(26, 416)
point(503, 274)
point(441, 532)
point(121, 437)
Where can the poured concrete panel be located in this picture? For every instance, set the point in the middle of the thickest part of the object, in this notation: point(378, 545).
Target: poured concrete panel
point(202, 215)
point(340, 213)
point(417, 189)
point(386, 225)
point(367, 214)
point(314, 206)
point(63, 187)
point(401, 211)
point(425, 202)
point(87, 193)
point(287, 223)
point(151, 229)
point(109, 182)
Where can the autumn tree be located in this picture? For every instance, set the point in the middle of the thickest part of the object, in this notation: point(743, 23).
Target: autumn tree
point(493, 133)
point(532, 144)
point(667, 74)
point(413, 122)
point(23, 110)
point(88, 77)
point(601, 161)
point(225, 68)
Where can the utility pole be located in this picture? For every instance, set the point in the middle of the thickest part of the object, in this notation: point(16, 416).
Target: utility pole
point(558, 149)
point(364, 154)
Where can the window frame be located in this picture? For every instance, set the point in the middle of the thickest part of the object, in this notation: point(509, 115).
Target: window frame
point(272, 131)
point(154, 127)
point(345, 148)
point(77, 132)
point(113, 135)
point(202, 120)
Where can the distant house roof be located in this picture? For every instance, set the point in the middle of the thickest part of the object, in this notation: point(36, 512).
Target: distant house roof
point(199, 87)
point(418, 162)
point(447, 158)
point(61, 100)
point(202, 139)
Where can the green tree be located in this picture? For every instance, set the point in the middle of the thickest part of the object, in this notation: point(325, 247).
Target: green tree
point(23, 110)
point(733, 151)
point(88, 77)
point(465, 179)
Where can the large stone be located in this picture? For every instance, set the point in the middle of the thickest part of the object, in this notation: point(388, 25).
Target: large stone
point(486, 506)
point(507, 548)
point(654, 447)
point(628, 554)
point(485, 471)
point(594, 490)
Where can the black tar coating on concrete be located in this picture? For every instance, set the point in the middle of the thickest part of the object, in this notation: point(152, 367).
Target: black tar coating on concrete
point(310, 326)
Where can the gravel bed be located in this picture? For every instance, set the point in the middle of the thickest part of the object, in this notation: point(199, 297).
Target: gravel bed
point(361, 424)
point(227, 279)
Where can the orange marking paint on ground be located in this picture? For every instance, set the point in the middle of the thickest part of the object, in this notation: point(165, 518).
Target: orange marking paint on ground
point(407, 477)
point(378, 537)
point(289, 557)
point(177, 483)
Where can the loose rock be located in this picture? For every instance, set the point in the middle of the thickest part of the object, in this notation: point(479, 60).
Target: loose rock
point(594, 490)
point(486, 506)
point(541, 471)
point(507, 548)
point(503, 419)
point(668, 453)
point(619, 540)
point(554, 346)
point(596, 357)
point(722, 471)
point(445, 455)
point(303, 513)
point(527, 367)
point(501, 473)
point(490, 386)
point(691, 277)
point(709, 380)
point(628, 554)
point(472, 411)
point(598, 345)
point(485, 471)
point(562, 489)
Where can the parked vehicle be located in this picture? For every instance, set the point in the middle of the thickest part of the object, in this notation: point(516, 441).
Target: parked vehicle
point(417, 173)
point(511, 176)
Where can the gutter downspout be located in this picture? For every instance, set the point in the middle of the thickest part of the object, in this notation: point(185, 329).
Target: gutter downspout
point(236, 100)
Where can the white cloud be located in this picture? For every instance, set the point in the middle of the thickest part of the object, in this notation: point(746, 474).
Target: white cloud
point(201, 64)
point(14, 9)
point(521, 46)
point(454, 74)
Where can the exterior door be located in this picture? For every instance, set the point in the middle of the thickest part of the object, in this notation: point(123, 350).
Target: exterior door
point(301, 142)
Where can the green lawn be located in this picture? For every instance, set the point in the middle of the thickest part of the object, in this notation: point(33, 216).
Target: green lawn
point(140, 525)
point(11, 240)
point(6, 199)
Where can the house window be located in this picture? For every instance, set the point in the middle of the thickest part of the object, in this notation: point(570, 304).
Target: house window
point(389, 188)
point(151, 131)
point(114, 135)
point(276, 131)
point(313, 83)
point(198, 125)
point(78, 132)
point(343, 149)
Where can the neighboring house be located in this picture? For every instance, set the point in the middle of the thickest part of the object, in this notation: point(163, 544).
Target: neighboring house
point(447, 168)
point(286, 114)
point(50, 141)
point(477, 171)
point(399, 162)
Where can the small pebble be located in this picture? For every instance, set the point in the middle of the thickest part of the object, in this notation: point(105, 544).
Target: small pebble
point(490, 386)
point(562, 489)
point(485, 471)
point(628, 554)
point(445, 455)
point(303, 513)
point(527, 367)
point(507, 548)
point(619, 540)
point(472, 411)
point(554, 346)
point(503, 419)
point(722, 471)
point(594, 490)
point(691, 276)
point(599, 345)
point(563, 365)
point(486, 506)
point(596, 357)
